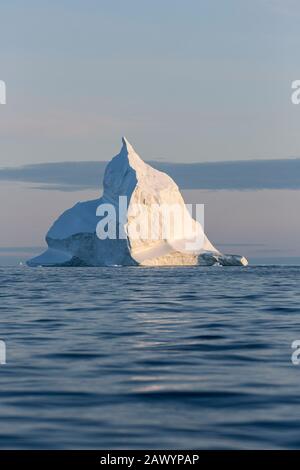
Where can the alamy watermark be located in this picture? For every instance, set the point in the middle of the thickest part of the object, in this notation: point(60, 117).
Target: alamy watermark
point(2, 352)
point(152, 222)
point(2, 92)
point(296, 354)
point(295, 96)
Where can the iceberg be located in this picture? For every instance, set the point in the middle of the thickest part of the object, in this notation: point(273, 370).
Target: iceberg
point(77, 237)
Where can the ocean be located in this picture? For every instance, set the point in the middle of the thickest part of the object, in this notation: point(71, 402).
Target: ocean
point(150, 358)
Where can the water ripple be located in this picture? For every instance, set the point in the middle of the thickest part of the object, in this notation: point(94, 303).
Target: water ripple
point(150, 358)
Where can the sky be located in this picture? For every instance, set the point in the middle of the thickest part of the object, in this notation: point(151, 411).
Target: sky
point(200, 82)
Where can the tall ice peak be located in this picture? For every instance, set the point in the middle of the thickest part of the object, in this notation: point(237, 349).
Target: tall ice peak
point(127, 146)
point(129, 152)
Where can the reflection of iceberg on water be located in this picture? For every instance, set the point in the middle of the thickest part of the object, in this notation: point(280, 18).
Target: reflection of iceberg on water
point(73, 240)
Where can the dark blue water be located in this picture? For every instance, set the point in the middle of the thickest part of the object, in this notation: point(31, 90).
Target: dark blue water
point(195, 358)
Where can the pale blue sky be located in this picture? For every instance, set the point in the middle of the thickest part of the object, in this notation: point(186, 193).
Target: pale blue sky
point(185, 81)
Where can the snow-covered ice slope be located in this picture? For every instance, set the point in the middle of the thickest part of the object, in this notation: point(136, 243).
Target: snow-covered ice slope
point(73, 240)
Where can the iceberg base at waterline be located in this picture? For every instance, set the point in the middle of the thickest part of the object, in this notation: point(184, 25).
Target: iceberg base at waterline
point(73, 238)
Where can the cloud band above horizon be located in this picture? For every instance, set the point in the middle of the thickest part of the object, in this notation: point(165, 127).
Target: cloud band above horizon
point(230, 175)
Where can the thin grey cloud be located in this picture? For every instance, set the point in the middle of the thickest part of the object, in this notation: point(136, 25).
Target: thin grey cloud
point(231, 175)
point(20, 249)
point(64, 176)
